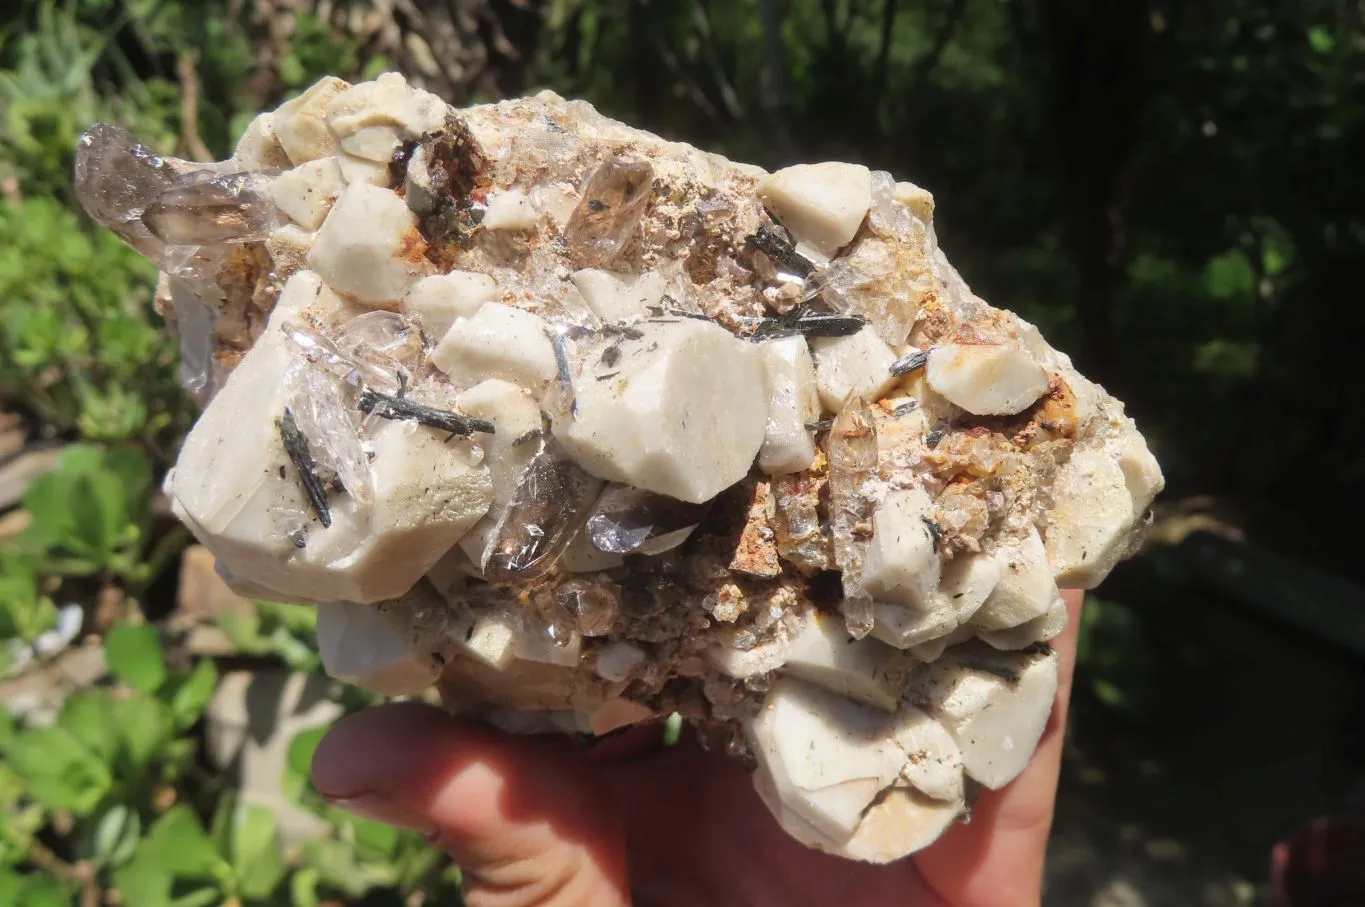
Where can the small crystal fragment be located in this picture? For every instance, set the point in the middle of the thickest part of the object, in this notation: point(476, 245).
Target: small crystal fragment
point(541, 518)
point(595, 604)
point(212, 209)
point(626, 520)
point(613, 202)
point(796, 521)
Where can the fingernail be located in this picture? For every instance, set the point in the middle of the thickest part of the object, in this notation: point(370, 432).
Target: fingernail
point(379, 808)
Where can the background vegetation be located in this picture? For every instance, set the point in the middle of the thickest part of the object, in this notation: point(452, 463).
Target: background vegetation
point(1170, 188)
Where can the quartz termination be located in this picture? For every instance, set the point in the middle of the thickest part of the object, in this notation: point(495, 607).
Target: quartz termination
point(586, 427)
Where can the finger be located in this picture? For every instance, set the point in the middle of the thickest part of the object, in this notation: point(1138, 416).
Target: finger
point(524, 817)
point(997, 858)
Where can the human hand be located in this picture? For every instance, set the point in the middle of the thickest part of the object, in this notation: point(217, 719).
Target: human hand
point(535, 821)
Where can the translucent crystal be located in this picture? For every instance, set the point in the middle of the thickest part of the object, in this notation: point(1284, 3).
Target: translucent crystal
point(194, 324)
point(609, 211)
point(549, 621)
point(323, 353)
point(385, 340)
point(117, 178)
point(879, 282)
point(852, 451)
point(626, 520)
point(888, 217)
point(541, 517)
point(328, 417)
point(595, 604)
point(796, 521)
point(210, 208)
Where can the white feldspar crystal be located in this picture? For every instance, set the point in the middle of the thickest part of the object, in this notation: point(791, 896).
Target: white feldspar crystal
point(509, 210)
point(305, 194)
point(855, 366)
point(681, 412)
point(360, 249)
point(986, 379)
point(793, 403)
point(821, 204)
point(619, 297)
point(587, 428)
point(300, 125)
point(995, 704)
point(497, 341)
point(439, 300)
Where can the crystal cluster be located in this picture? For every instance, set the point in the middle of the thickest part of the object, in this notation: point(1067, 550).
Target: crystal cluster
point(586, 427)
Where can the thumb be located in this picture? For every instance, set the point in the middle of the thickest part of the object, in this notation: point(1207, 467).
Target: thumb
point(525, 818)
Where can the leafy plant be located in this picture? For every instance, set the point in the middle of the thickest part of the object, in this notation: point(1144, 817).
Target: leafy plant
point(92, 514)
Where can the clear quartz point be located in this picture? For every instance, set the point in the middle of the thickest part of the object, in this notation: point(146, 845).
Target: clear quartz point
point(116, 178)
point(211, 208)
point(594, 603)
point(609, 211)
point(852, 451)
point(888, 218)
point(540, 520)
point(796, 521)
point(625, 520)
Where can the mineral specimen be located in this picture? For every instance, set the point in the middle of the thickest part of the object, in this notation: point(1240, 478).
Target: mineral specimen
point(587, 427)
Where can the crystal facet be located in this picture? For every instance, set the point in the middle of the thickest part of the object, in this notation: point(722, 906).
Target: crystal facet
point(609, 212)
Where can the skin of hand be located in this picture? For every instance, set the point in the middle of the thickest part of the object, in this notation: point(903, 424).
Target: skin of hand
point(539, 822)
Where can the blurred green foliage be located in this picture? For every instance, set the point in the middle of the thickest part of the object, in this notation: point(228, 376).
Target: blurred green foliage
point(1167, 187)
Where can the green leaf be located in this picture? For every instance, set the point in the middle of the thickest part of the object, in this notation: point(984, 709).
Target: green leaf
point(256, 859)
point(134, 654)
point(146, 725)
point(59, 770)
point(10, 885)
point(116, 836)
point(89, 718)
point(8, 730)
point(303, 888)
point(144, 883)
point(43, 891)
point(189, 694)
point(302, 748)
point(374, 840)
point(178, 846)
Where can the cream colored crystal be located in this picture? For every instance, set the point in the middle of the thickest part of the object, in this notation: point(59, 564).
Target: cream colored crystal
point(510, 210)
point(372, 119)
point(866, 670)
point(619, 297)
point(1026, 589)
point(439, 300)
point(858, 365)
point(986, 379)
point(793, 403)
point(360, 247)
point(680, 413)
point(371, 646)
point(497, 341)
point(995, 704)
point(306, 193)
point(300, 125)
point(821, 204)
